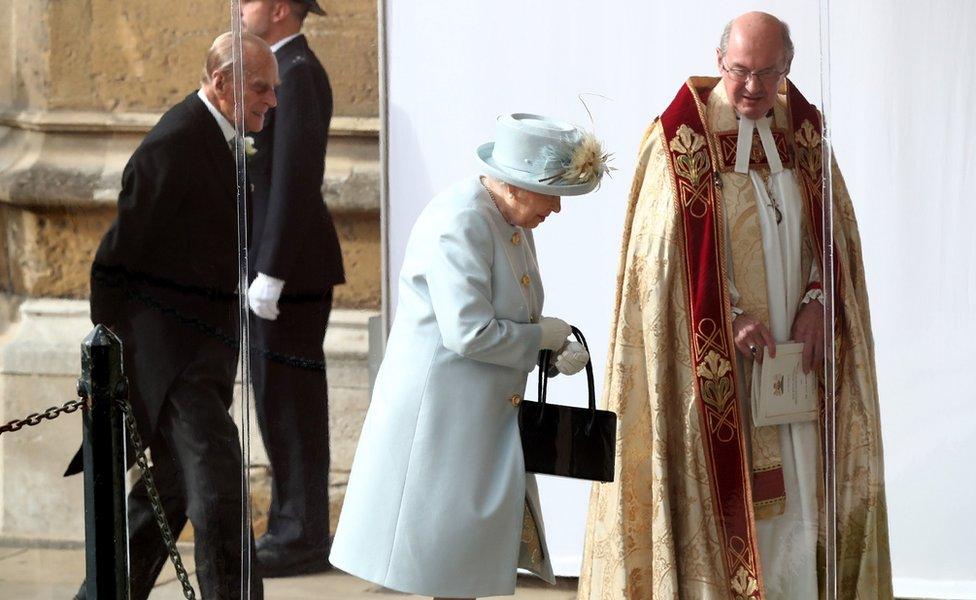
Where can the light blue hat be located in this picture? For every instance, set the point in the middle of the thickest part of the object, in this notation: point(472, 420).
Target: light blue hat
point(543, 155)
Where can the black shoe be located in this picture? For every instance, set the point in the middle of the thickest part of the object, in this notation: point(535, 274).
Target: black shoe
point(285, 561)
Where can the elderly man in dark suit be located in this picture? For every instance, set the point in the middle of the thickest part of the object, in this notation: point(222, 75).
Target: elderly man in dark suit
point(295, 261)
point(164, 279)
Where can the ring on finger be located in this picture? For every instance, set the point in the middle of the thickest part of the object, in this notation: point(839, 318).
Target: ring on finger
point(753, 349)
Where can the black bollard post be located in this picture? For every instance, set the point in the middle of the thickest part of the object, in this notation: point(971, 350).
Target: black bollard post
point(102, 381)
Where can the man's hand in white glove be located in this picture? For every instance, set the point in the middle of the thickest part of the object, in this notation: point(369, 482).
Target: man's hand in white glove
point(263, 296)
point(554, 333)
point(572, 358)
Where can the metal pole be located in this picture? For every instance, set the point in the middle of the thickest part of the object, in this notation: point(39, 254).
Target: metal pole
point(386, 279)
point(102, 382)
point(830, 582)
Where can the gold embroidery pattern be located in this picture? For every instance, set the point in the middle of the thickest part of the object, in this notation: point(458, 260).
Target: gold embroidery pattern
point(709, 337)
point(692, 167)
point(727, 142)
point(715, 372)
point(716, 386)
point(744, 585)
point(809, 158)
point(713, 369)
point(530, 552)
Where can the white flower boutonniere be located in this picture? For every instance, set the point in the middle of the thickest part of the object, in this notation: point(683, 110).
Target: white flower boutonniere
point(249, 149)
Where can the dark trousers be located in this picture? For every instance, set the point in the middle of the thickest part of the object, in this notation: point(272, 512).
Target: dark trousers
point(197, 468)
point(293, 415)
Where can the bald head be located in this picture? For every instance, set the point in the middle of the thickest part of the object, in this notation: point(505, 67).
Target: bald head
point(260, 76)
point(754, 27)
point(754, 55)
point(220, 56)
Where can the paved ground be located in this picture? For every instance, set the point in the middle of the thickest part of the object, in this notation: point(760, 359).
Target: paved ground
point(54, 574)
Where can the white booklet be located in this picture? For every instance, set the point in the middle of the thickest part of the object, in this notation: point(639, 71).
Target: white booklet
point(781, 391)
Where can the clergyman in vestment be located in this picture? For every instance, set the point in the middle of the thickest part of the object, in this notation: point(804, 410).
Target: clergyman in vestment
point(721, 261)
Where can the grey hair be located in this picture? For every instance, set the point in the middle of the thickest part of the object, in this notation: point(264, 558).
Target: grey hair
point(220, 57)
point(788, 50)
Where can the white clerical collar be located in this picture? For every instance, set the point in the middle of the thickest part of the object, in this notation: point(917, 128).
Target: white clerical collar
point(744, 145)
point(225, 127)
point(283, 41)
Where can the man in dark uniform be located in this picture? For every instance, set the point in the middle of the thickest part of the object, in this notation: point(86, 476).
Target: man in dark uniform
point(294, 261)
point(164, 279)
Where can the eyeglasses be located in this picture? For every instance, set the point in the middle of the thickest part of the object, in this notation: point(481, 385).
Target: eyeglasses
point(742, 75)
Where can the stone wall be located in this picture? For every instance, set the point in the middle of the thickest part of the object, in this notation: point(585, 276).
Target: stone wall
point(345, 42)
point(106, 55)
point(86, 79)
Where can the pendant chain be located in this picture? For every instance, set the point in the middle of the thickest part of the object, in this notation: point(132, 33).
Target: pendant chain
point(773, 204)
point(494, 200)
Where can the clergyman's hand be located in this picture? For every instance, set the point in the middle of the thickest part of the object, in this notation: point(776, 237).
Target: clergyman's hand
point(808, 327)
point(751, 337)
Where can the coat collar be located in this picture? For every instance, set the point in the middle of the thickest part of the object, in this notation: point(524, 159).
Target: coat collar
point(226, 128)
point(284, 41)
point(213, 138)
point(295, 45)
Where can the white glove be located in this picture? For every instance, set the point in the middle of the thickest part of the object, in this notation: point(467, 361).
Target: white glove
point(572, 358)
point(554, 333)
point(263, 296)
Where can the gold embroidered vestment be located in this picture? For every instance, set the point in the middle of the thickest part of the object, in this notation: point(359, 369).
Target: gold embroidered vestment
point(662, 529)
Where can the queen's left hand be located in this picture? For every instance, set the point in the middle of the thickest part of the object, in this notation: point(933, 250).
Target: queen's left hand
point(572, 358)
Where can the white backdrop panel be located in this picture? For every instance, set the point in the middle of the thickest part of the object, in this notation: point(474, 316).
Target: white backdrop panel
point(454, 66)
point(903, 79)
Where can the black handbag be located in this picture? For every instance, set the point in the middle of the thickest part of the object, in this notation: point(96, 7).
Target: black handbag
point(568, 441)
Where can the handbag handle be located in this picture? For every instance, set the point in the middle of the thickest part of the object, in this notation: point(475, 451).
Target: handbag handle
point(545, 357)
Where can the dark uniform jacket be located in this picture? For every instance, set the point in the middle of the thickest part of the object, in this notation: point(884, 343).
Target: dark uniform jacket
point(293, 236)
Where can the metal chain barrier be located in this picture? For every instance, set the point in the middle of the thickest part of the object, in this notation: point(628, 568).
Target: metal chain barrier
point(141, 460)
point(136, 439)
point(48, 415)
point(155, 500)
point(122, 279)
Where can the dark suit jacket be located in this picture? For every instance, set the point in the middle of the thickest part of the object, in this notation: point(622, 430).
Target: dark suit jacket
point(177, 211)
point(174, 242)
point(293, 236)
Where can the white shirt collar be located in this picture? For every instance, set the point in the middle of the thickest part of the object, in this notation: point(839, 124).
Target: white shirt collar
point(283, 41)
point(225, 127)
point(744, 145)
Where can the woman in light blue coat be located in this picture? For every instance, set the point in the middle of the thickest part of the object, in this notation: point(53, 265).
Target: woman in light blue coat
point(438, 501)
